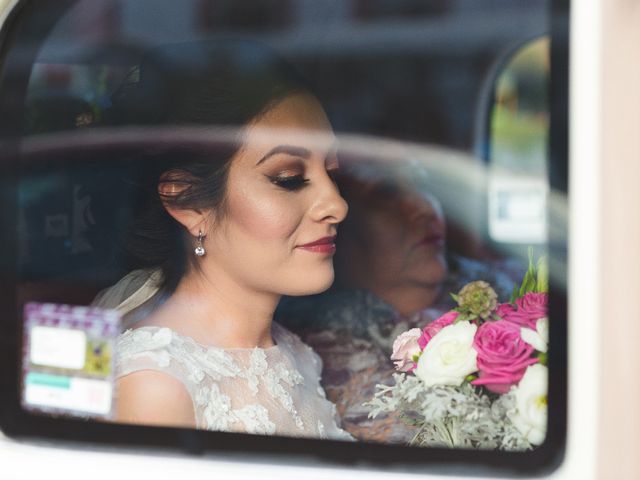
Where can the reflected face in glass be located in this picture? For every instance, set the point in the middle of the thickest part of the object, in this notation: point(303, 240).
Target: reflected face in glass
point(282, 207)
point(400, 232)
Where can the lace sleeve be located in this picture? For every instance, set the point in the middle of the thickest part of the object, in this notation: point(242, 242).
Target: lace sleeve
point(138, 350)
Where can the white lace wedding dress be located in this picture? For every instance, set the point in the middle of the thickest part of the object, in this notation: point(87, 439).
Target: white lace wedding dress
point(273, 391)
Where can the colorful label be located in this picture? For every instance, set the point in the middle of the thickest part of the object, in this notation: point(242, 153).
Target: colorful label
point(68, 363)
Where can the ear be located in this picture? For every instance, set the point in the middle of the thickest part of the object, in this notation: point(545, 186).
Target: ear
point(171, 184)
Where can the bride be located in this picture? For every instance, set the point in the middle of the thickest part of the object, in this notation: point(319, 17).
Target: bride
point(221, 237)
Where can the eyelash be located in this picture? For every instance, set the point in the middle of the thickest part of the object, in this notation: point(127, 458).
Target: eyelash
point(291, 183)
point(296, 182)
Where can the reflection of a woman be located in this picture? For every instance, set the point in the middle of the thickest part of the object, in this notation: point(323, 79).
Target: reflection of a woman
point(393, 275)
point(223, 237)
point(393, 244)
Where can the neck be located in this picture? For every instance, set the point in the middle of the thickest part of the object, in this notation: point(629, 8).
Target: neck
point(215, 310)
point(409, 299)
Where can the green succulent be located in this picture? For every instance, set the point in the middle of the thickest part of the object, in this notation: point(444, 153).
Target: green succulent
point(476, 300)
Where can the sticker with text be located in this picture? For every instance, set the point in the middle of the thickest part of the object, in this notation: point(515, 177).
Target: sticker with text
point(68, 362)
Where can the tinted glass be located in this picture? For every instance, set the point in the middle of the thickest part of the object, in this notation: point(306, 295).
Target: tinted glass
point(317, 220)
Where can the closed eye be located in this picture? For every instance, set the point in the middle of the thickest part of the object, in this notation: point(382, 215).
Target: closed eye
point(289, 182)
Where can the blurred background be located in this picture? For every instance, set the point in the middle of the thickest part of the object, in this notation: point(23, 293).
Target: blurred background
point(464, 81)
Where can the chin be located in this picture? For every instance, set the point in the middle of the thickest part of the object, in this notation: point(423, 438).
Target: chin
point(434, 271)
point(312, 284)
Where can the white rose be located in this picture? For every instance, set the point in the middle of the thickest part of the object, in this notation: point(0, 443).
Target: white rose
point(530, 417)
point(538, 339)
point(449, 357)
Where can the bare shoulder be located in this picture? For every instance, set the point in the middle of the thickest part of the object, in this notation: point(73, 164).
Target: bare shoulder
point(150, 397)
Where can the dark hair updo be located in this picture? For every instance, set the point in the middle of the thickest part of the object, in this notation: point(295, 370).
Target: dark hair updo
point(225, 83)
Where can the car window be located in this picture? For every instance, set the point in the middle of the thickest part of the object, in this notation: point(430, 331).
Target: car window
point(268, 215)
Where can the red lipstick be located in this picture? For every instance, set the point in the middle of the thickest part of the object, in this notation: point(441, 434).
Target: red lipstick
point(322, 245)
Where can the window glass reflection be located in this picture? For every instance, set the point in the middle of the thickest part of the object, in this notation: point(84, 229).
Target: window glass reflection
point(215, 166)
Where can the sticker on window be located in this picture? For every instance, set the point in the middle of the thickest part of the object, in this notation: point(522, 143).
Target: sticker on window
point(68, 362)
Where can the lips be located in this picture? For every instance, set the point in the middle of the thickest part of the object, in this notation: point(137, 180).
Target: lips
point(433, 239)
point(322, 245)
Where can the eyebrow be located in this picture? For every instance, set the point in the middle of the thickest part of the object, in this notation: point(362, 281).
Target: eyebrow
point(287, 149)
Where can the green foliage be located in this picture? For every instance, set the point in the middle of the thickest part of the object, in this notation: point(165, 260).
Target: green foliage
point(542, 282)
point(542, 358)
point(535, 280)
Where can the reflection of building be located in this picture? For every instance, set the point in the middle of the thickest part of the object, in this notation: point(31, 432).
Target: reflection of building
point(404, 68)
point(399, 69)
point(258, 15)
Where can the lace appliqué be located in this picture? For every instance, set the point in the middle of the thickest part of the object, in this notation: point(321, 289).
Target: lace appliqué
point(257, 368)
point(272, 380)
point(256, 420)
point(214, 363)
point(259, 372)
point(321, 431)
point(216, 407)
point(134, 344)
point(218, 414)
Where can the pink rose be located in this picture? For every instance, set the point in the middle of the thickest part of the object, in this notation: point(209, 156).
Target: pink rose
point(434, 327)
point(534, 305)
point(503, 356)
point(406, 349)
point(508, 313)
point(504, 310)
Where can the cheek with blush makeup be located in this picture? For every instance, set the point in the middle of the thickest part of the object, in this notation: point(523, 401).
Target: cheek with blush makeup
point(281, 205)
point(269, 240)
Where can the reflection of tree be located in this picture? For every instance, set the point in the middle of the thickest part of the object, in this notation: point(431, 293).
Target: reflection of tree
point(520, 116)
point(519, 140)
point(525, 79)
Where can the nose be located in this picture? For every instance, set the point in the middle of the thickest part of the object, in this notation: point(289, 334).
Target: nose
point(328, 205)
point(421, 207)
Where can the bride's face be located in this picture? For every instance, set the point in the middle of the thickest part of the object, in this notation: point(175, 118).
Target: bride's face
point(282, 207)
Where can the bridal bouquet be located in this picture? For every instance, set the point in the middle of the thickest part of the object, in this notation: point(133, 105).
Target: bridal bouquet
point(476, 377)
